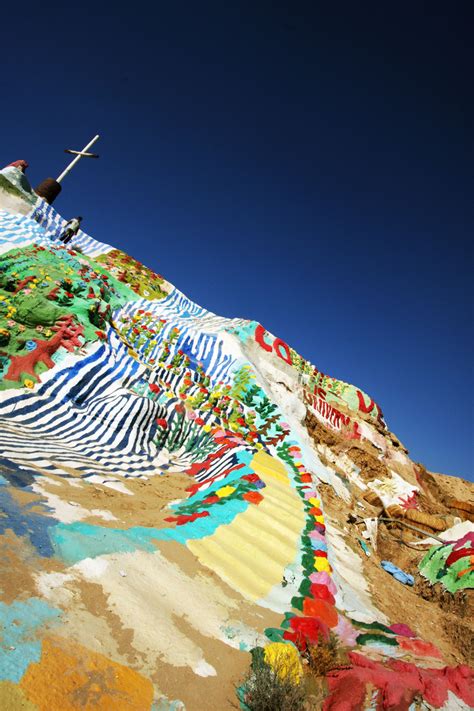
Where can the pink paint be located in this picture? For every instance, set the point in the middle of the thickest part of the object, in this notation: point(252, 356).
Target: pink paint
point(316, 536)
point(467, 538)
point(403, 630)
point(346, 632)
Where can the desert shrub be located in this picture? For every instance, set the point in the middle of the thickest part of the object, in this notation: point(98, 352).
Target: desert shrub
point(269, 688)
point(325, 656)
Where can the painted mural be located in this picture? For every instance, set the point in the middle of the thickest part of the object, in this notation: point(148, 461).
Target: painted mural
point(175, 489)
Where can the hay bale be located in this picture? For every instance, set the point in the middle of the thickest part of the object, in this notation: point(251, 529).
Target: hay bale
point(432, 522)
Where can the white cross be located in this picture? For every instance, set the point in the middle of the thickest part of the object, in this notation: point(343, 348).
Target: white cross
point(79, 155)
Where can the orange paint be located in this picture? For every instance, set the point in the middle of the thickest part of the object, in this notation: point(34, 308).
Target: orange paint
point(69, 677)
point(253, 497)
point(322, 609)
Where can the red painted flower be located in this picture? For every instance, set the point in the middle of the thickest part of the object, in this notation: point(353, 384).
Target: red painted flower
point(161, 422)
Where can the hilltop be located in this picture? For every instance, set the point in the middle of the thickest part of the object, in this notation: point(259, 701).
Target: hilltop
point(191, 510)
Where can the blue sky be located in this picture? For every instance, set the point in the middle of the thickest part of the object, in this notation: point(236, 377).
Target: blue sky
point(307, 167)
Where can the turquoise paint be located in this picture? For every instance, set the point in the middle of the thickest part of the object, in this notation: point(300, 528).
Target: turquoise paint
point(245, 332)
point(76, 541)
point(19, 645)
point(166, 705)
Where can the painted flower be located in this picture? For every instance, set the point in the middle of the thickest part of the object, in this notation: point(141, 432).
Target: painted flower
point(40, 328)
point(11, 324)
point(28, 383)
point(161, 422)
point(30, 345)
point(21, 327)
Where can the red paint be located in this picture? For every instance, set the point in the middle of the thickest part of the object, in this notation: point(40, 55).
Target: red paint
point(281, 348)
point(419, 647)
point(67, 336)
point(368, 408)
point(456, 555)
point(320, 609)
point(260, 338)
point(322, 592)
point(409, 502)
point(23, 283)
point(253, 497)
point(320, 554)
point(398, 684)
point(315, 511)
point(306, 629)
point(278, 346)
point(211, 500)
point(182, 518)
point(254, 478)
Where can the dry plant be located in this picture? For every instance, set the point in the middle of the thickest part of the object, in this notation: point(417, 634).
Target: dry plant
point(325, 656)
point(267, 688)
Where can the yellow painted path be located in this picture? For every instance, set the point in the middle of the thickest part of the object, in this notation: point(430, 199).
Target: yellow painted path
point(252, 552)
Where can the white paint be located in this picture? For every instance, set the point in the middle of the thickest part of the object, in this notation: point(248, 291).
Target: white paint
point(454, 533)
point(353, 594)
point(92, 567)
point(51, 586)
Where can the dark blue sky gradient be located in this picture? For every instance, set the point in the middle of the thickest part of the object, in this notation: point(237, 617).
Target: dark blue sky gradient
point(310, 168)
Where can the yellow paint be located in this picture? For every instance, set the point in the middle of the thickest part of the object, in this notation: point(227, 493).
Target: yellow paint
point(284, 660)
point(322, 565)
point(315, 502)
point(319, 519)
point(69, 677)
point(225, 491)
point(252, 552)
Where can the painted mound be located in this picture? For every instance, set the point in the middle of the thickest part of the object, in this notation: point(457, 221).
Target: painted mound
point(179, 489)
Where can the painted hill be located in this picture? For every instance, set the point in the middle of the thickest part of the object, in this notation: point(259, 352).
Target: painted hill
point(180, 489)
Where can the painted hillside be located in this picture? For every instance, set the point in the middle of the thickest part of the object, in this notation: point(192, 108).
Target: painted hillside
point(190, 509)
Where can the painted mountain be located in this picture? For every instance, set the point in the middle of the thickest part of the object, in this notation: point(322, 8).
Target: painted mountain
point(195, 517)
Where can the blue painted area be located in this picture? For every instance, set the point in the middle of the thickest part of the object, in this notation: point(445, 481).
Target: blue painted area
point(24, 522)
point(75, 541)
point(19, 645)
